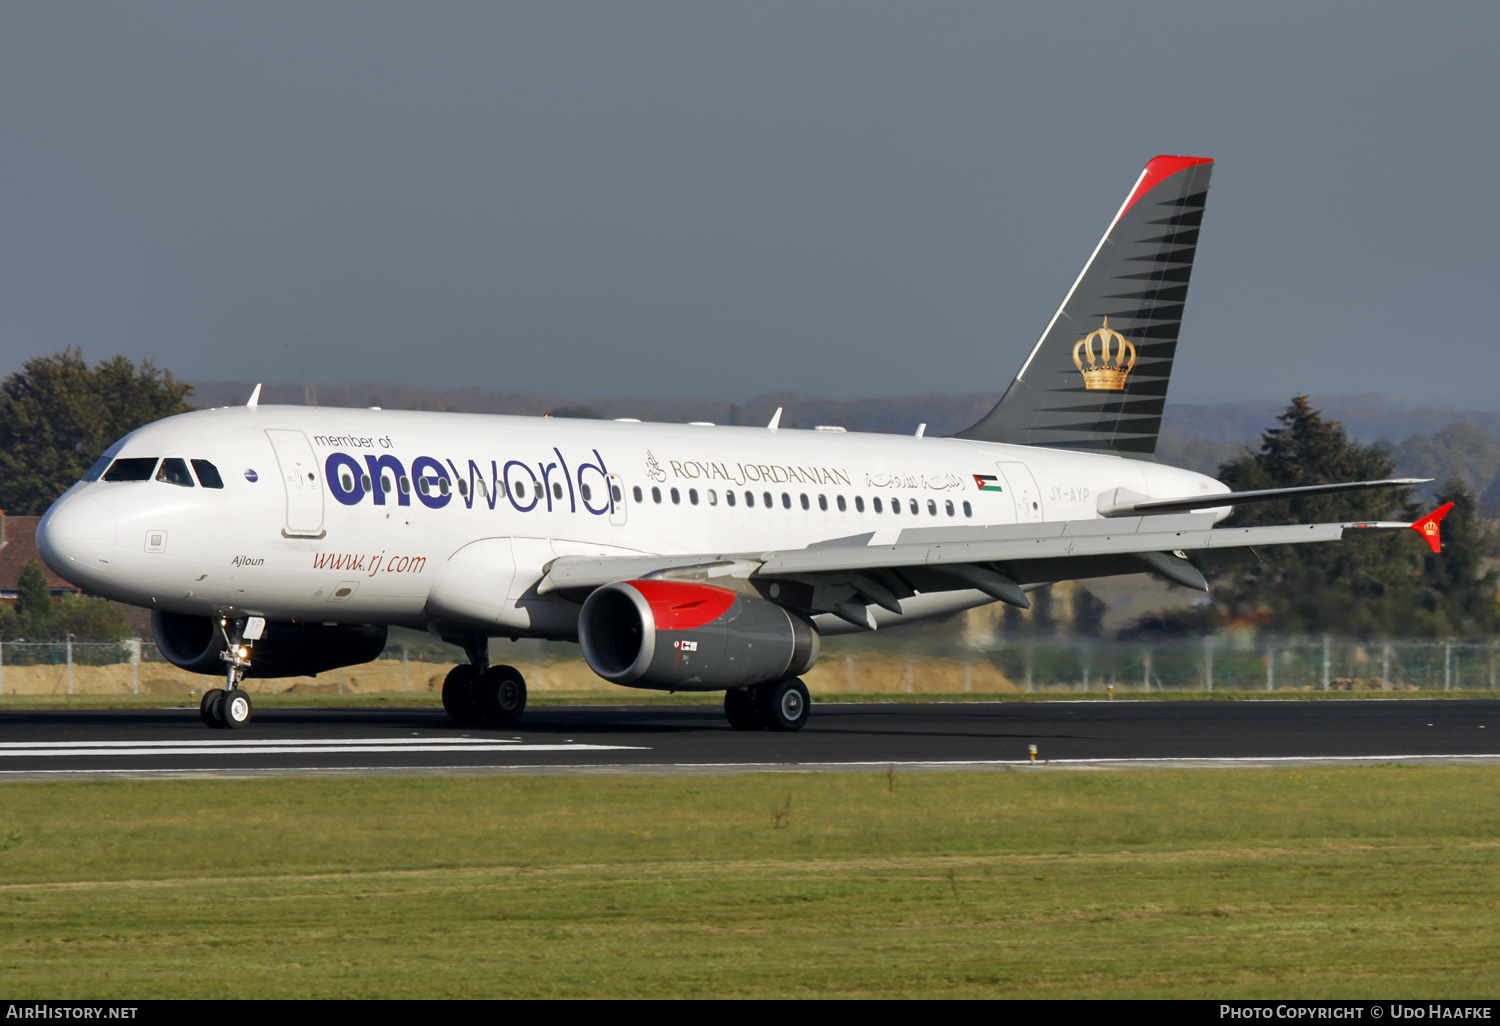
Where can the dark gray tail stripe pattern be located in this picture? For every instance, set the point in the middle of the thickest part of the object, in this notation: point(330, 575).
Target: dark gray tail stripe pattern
point(1139, 280)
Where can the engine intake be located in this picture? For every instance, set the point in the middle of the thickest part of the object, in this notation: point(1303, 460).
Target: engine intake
point(691, 637)
point(286, 649)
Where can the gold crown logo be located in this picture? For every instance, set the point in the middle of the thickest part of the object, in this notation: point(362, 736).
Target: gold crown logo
point(1116, 359)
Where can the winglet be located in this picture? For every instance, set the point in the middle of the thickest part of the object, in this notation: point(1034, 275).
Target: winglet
point(775, 420)
point(254, 398)
point(1427, 527)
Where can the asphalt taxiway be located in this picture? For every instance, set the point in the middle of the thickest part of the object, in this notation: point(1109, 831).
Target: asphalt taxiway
point(169, 742)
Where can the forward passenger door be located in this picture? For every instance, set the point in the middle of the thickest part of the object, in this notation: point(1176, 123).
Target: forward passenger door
point(300, 479)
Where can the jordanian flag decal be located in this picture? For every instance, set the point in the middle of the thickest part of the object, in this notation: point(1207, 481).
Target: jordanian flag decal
point(988, 483)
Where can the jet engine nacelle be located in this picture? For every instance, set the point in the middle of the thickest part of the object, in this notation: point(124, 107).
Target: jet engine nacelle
point(691, 637)
point(285, 650)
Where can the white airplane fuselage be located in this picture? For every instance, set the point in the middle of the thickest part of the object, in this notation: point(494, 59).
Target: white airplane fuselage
point(305, 529)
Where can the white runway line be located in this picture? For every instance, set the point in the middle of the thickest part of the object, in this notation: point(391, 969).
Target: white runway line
point(319, 746)
point(714, 769)
point(229, 743)
point(1228, 760)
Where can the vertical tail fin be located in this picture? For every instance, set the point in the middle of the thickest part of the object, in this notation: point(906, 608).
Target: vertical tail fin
point(1098, 377)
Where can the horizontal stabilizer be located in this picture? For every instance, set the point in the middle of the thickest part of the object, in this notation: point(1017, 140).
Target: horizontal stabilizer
point(1151, 507)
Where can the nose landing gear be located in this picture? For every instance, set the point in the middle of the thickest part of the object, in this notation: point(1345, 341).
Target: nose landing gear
point(229, 708)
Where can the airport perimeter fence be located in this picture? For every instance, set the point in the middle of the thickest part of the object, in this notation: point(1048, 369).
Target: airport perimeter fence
point(1056, 664)
point(1268, 664)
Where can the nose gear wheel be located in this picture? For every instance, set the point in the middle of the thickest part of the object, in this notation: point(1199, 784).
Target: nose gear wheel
point(235, 709)
point(211, 708)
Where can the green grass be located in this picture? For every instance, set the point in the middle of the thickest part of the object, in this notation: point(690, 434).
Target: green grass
point(1349, 882)
point(632, 696)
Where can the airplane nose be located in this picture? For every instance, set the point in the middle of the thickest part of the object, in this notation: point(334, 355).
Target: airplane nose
point(77, 536)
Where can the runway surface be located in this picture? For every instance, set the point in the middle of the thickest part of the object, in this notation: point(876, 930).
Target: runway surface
point(52, 744)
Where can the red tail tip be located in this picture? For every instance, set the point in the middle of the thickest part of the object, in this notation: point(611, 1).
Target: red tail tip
point(1427, 527)
point(1159, 168)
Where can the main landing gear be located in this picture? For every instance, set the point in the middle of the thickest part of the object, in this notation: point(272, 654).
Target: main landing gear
point(480, 693)
point(229, 708)
point(780, 705)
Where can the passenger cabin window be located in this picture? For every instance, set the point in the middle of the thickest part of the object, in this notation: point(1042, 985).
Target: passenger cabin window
point(878, 507)
point(134, 468)
point(636, 491)
point(693, 496)
point(914, 509)
point(174, 471)
point(729, 498)
point(805, 504)
point(932, 507)
point(676, 497)
point(767, 497)
point(655, 494)
point(968, 510)
point(208, 474)
point(619, 496)
point(949, 507)
point(713, 497)
point(750, 499)
point(786, 501)
point(843, 508)
point(859, 503)
point(823, 503)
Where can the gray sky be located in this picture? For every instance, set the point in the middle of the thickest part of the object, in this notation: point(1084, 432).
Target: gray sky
point(848, 199)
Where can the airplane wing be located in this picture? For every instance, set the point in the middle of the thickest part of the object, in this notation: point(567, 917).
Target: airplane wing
point(846, 576)
point(1130, 504)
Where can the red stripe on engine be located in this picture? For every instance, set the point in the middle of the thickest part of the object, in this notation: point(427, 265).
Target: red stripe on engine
point(681, 605)
point(1159, 168)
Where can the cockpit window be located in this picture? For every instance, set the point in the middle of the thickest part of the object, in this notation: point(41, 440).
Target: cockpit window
point(133, 468)
point(208, 474)
point(97, 470)
point(174, 471)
